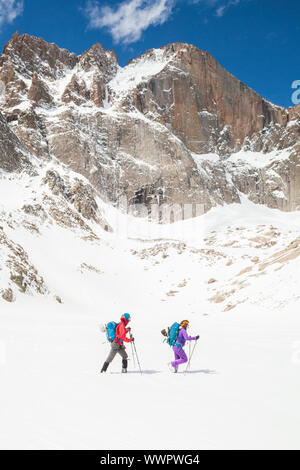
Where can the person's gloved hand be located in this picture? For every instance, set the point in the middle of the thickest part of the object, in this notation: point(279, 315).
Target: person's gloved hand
point(197, 337)
point(132, 339)
point(129, 329)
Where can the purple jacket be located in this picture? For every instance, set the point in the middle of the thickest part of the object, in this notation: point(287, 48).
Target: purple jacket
point(183, 337)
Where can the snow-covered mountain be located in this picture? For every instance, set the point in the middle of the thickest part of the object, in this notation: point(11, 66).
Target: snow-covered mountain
point(147, 131)
point(78, 136)
point(172, 127)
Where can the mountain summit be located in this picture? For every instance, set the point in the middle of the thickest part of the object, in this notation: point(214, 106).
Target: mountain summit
point(172, 126)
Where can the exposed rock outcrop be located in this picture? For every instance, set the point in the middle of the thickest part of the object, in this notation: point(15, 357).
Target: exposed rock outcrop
point(38, 92)
point(22, 274)
point(13, 156)
point(74, 195)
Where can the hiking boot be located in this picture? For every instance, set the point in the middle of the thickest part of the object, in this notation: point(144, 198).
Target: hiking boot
point(172, 368)
point(105, 366)
point(124, 365)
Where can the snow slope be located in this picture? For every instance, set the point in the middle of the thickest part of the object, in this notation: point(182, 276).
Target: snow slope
point(137, 72)
point(242, 389)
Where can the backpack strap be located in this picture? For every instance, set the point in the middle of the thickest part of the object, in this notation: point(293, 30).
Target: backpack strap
point(118, 340)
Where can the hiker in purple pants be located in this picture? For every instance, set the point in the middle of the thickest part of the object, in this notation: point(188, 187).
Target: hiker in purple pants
point(180, 356)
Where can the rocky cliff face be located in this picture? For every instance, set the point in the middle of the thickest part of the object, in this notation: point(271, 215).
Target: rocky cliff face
point(171, 127)
point(198, 99)
point(14, 156)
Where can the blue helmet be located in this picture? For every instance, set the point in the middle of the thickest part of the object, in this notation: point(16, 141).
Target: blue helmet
point(126, 316)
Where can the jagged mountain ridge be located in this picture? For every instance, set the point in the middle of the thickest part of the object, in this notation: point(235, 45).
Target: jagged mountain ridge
point(144, 131)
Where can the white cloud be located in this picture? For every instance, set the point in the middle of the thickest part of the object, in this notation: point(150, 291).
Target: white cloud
point(221, 9)
point(127, 22)
point(9, 10)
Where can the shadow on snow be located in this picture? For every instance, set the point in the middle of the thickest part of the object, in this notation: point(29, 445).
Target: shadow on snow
point(201, 371)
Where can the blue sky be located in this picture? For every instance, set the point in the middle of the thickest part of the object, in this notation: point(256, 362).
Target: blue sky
point(258, 41)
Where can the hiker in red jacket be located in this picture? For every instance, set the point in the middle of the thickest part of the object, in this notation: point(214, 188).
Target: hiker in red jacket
point(117, 346)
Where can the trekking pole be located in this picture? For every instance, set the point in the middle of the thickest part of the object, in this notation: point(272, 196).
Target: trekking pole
point(137, 358)
point(188, 365)
point(189, 352)
point(132, 352)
